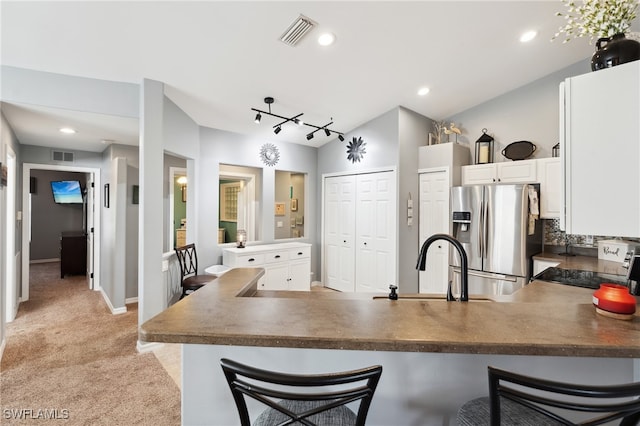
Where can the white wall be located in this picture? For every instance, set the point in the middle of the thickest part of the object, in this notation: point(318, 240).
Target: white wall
point(8, 140)
point(219, 146)
point(529, 113)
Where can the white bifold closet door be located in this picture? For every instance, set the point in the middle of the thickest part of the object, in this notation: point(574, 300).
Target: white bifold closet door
point(360, 232)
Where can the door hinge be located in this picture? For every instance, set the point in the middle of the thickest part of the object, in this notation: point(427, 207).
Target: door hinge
point(93, 185)
point(92, 275)
point(92, 230)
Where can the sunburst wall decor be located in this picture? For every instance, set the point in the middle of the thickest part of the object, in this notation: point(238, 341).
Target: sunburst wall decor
point(269, 154)
point(355, 149)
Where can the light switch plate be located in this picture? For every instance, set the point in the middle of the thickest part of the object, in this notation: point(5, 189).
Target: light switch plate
point(279, 224)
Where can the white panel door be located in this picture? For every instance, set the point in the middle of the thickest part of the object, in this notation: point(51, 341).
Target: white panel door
point(376, 233)
point(339, 232)
point(434, 219)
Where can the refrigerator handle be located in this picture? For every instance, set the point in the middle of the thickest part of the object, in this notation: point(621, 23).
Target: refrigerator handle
point(481, 232)
point(485, 231)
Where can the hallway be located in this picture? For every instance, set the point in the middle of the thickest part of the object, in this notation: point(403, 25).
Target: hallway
point(69, 360)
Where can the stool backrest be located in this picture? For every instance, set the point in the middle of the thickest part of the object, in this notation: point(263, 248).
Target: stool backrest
point(188, 260)
point(268, 387)
point(610, 402)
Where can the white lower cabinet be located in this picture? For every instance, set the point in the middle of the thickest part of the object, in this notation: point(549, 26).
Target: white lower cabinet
point(540, 265)
point(287, 266)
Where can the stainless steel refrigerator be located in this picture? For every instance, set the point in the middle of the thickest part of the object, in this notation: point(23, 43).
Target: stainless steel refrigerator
point(499, 229)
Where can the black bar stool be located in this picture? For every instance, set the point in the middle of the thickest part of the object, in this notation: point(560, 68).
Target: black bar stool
point(516, 405)
point(288, 404)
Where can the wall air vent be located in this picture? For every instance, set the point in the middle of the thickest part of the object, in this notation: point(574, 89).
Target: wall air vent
point(297, 30)
point(62, 156)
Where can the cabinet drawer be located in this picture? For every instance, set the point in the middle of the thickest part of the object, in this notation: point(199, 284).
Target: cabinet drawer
point(276, 256)
point(300, 253)
point(249, 260)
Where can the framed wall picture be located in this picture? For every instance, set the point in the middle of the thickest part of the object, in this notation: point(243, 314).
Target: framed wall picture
point(294, 204)
point(4, 171)
point(135, 198)
point(106, 195)
point(279, 209)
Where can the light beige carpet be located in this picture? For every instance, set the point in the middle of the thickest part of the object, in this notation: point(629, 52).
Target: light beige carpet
point(68, 360)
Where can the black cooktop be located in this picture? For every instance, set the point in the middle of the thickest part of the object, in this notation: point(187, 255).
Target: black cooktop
point(579, 278)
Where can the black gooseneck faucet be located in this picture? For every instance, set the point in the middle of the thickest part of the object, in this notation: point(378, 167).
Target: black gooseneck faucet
point(422, 263)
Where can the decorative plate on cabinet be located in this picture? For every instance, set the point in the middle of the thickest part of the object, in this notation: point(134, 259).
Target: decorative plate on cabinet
point(520, 150)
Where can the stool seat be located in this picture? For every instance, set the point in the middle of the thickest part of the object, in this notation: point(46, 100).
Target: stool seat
point(477, 412)
point(339, 416)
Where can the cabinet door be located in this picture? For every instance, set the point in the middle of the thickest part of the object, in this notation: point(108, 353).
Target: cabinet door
point(550, 178)
point(339, 232)
point(276, 276)
point(376, 226)
point(300, 275)
point(601, 151)
point(517, 171)
point(434, 219)
point(540, 265)
point(479, 174)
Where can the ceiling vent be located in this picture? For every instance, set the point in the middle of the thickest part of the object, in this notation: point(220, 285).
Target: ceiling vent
point(62, 156)
point(297, 30)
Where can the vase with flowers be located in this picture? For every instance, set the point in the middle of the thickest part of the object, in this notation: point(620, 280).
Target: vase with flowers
point(607, 20)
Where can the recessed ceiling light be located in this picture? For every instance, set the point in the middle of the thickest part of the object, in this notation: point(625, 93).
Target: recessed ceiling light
point(528, 36)
point(67, 130)
point(326, 39)
point(423, 91)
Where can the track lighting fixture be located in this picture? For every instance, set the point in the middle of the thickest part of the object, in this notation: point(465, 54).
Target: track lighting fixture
point(295, 119)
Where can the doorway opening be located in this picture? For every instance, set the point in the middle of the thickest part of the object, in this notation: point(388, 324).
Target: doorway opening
point(91, 222)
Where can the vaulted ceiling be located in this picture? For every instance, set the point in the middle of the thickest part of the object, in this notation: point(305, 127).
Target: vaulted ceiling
point(220, 59)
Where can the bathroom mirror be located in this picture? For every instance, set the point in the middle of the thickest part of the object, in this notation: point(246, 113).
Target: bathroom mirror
point(239, 202)
point(289, 212)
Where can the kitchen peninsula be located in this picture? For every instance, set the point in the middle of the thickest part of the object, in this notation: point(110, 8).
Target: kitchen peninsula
point(434, 353)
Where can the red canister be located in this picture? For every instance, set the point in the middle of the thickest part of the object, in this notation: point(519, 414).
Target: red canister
point(614, 298)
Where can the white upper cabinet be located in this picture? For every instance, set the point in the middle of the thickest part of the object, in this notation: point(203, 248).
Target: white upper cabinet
point(600, 144)
point(523, 171)
point(550, 179)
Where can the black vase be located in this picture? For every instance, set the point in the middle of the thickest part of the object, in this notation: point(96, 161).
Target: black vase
point(614, 50)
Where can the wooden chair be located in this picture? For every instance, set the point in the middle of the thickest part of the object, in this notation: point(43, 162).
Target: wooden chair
point(288, 404)
point(539, 402)
point(188, 260)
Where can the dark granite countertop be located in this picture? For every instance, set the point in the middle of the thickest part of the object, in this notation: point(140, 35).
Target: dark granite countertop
point(540, 319)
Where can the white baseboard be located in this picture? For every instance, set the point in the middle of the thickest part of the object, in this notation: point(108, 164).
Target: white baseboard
point(54, 259)
point(317, 284)
point(114, 311)
point(130, 300)
point(144, 347)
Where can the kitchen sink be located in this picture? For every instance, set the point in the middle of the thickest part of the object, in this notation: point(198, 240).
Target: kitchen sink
point(433, 297)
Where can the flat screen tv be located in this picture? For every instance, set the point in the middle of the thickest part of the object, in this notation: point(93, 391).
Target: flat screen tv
point(67, 192)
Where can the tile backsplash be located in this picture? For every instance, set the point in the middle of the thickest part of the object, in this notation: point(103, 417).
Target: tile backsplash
point(553, 236)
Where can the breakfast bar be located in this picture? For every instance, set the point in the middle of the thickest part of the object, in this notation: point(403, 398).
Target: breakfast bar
point(434, 353)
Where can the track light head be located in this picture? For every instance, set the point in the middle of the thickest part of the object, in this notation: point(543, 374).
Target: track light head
point(298, 122)
point(341, 138)
point(327, 132)
point(277, 130)
point(258, 118)
point(310, 136)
